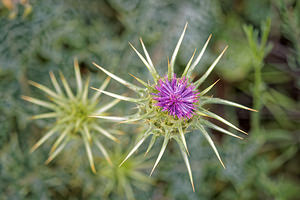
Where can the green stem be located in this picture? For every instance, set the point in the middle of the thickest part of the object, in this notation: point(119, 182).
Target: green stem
point(260, 49)
point(255, 118)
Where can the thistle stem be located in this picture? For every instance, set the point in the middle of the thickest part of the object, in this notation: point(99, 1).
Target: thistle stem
point(255, 122)
point(260, 49)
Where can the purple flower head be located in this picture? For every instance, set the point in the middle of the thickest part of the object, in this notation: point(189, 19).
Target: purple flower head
point(176, 96)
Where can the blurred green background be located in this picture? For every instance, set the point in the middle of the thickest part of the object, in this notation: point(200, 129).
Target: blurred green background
point(260, 69)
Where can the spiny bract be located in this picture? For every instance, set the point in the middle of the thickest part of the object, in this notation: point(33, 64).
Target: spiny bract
point(172, 107)
point(72, 115)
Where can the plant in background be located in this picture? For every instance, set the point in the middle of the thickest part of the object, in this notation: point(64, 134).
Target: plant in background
point(22, 177)
point(72, 115)
point(172, 106)
point(259, 50)
point(119, 180)
point(12, 6)
point(289, 13)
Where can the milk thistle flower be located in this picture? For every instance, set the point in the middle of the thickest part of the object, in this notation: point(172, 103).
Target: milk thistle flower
point(172, 106)
point(176, 97)
point(72, 116)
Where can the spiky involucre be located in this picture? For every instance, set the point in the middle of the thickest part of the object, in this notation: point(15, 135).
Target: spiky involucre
point(167, 110)
point(72, 113)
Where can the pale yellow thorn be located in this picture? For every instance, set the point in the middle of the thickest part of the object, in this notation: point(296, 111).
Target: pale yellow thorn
point(136, 146)
point(253, 110)
point(139, 80)
point(60, 139)
point(55, 83)
point(202, 114)
point(103, 150)
point(93, 169)
point(170, 72)
point(45, 115)
point(120, 80)
point(199, 56)
point(102, 87)
point(57, 151)
point(87, 133)
point(44, 88)
point(106, 133)
point(146, 53)
point(66, 85)
point(133, 150)
point(211, 143)
point(183, 140)
point(150, 68)
point(163, 148)
point(43, 139)
point(48, 160)
point(209, 70)
point(38, 102)
point(88, 151)
point(243, 131)
point(188, 64)
point(85, 90)
point(174, 55)
point(209, 88)
point(78, 75)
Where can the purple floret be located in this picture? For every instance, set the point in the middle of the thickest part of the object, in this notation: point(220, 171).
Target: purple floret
point(176, 96)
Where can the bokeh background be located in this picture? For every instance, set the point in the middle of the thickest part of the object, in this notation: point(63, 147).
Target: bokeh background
point(263, 36)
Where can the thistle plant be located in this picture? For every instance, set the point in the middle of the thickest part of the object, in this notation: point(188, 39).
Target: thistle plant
point(120, 180)
point(172, 106)
point(71, 113)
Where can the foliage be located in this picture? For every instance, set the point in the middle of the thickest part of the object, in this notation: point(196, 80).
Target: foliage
point(42, 36)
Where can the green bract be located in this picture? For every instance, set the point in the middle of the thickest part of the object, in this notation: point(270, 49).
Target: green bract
point(160, 123)
point(72, 112)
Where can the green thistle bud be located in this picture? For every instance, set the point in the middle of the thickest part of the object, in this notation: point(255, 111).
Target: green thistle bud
point(119, 180)
point(171, 107)
point(72, 113)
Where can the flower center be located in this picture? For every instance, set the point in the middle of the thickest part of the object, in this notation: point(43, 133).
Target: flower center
point(176, 96)
point(76, 112)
